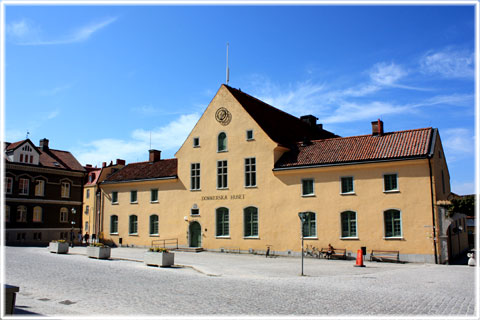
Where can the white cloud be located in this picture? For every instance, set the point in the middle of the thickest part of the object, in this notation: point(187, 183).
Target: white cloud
point(449, 63)
point(25, 32)
point(52, 114)
point(168, 138)
point(55, 91)
point(458, 143)
point(387, 74)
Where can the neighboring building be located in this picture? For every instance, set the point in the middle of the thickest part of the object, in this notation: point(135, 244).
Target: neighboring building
point(247, 169)
point(92, 202)
point(43, 193)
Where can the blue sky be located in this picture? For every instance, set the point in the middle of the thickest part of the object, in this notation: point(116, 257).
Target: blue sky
point(98, 80)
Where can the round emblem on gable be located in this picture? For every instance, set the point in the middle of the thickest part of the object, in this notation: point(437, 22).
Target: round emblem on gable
point(223, 116)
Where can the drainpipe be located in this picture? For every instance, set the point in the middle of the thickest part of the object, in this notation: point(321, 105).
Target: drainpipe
point(433, 212)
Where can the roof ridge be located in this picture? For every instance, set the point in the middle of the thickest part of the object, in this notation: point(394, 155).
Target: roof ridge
point(370, 135)
point(150, 161)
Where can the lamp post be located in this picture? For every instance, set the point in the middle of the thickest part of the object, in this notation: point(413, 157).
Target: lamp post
point(303, 218)
point(72, 236)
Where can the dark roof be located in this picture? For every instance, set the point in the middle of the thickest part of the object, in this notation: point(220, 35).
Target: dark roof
point(280, 126)
point(145, 170)
point(50, 158)
point(389, 146)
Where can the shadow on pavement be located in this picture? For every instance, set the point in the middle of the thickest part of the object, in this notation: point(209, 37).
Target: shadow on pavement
point(19, 310)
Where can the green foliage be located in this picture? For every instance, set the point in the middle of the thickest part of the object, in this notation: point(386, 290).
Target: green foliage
point(98, 244)
point(465, 204)
point(60, 241)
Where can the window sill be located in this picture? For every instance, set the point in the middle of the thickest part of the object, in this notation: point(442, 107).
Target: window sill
point(195, 190)
point(250, 139)
point(349, 238)
point(347, 193)
point(308, 195)
point(154, 201)
point(392, 191)
point(222, 188)
point(133, 202)
point(133, 234)
point(114, 203)
point(222, 237)
point(253, 237)
point(195, 215)
point(114, 233)
point(221, 151)
point(154, 235)
point(393, 238)
point(251, 187)
point(310, 238)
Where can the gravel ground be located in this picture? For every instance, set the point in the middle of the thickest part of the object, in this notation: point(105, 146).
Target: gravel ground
point(231, 284)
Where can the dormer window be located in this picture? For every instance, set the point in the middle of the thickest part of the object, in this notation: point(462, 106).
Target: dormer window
point(222, 142)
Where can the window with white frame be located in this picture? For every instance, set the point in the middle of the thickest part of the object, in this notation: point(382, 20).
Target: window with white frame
point(309, 227)
point(249, 135)
point(39, 187)
point(133, 196)
point(133, 224)
point(153, 195)
point(223, 222)
point(393, 223)
point(307, 187)
point(195, 176)
point(222, 142)
point(196, 142)
point(8, 185)
point(22, 214)
point(250, 172)
point(114, 224)
point(250, 222)
point(222, 174)
point(154, 225)
point(347, 184)
point(37, 214)
point(114, 197)
point(23, 186)
point(65, 190)
point(63, 215)
point(390, 182)
point(349, 224)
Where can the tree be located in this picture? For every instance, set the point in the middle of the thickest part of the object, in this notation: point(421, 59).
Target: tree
point(464, 204)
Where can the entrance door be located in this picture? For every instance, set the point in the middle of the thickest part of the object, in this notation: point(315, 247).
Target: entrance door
point(195, 234)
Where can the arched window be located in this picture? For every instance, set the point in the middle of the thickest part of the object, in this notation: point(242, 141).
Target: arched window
point(65, 190)
point(349, 224)
point(63, 215)
point(37, 214)
point(223, 222)
point(39, 187)
point(222, 142)
point(22, 214)
point(310, 226)
point(114, 224)
point(133, 224)
point(250, 222)
point(393, 223)
point(154, 224)
point(7, 213)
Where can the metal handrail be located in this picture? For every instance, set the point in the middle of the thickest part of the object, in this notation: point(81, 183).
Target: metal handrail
point(165, 242)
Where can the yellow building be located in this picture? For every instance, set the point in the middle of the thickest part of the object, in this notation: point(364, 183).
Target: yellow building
point(247, 169)
point(92, 201)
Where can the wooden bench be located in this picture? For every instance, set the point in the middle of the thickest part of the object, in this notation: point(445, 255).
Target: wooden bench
point(338, 253)
point(385, 256)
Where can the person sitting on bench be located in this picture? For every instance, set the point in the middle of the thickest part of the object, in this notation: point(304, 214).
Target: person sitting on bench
point(330, 251)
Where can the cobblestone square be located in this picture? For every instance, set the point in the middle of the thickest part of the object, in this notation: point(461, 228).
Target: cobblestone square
point(219, 284)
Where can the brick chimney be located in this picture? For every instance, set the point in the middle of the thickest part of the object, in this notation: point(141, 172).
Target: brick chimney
point(44, 144)
point(120, 162)
point(154, 155)
point(377, 128)
point(104, 164)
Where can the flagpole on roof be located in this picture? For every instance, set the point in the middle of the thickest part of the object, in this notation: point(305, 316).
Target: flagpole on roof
point(228, 70)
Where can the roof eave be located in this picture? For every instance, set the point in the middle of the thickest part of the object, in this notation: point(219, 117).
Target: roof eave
point(140, 180)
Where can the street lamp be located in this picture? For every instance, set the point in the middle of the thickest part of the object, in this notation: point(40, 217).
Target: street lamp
point(303, 218)
point(72, 237)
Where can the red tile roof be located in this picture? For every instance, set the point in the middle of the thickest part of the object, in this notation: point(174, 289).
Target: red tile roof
point(145, 170)
point(392, 145)
point(280, 126)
